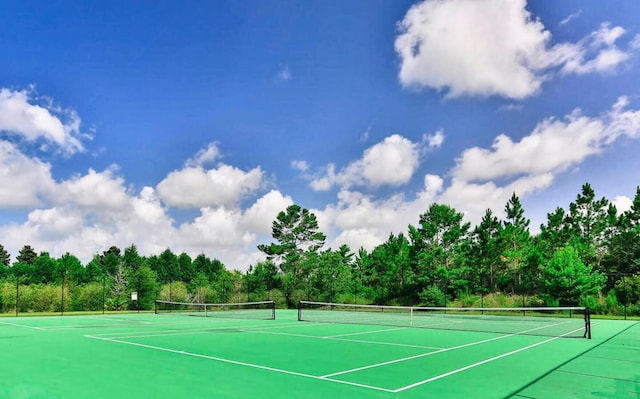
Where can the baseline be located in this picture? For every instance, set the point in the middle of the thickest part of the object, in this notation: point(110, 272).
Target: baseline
point(20, 325)
point(239, 363)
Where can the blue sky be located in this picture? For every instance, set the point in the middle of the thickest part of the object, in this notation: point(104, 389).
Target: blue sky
point(190, 126)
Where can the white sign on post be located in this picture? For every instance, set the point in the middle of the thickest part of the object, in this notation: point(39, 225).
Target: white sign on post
point(134, 296)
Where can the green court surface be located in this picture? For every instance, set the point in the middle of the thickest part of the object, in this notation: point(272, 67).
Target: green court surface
point(159, 356)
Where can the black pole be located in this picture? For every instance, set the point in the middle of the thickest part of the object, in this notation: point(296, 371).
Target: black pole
point(62, 307)
point(17, 293)
point(104, 290)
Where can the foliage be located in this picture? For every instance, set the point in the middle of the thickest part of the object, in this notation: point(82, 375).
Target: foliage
point(627, 290)
point(89, 296)
point(566, 278)
point(432, 296)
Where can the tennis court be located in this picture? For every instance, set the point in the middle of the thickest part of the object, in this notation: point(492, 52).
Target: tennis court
point(161, 356)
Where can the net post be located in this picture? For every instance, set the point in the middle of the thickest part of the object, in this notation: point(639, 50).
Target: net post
point(273, 310)
point(300, 311)
point(587, 323)
point(411, 317)
point(155, 307)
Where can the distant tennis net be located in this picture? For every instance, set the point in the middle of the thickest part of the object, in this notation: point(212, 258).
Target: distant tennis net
point(543, 321)
point(265, 310)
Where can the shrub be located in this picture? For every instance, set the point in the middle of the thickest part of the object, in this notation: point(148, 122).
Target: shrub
point(8, 292)
point(87, 297)
point(432, 296)
point(278, 297)
point(176, 292)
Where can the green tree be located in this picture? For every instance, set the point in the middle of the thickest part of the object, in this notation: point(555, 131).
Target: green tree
point(588, 221)
point(144, 282)
point(185, 265)
point(43, 269)
point(296, 232)
point(94, 271)
point(132, 259)
point(628, 290)
point(440, 246)
point(486, 252)
point(516, 242)
point(623, 254)
point(71, 267)
point(566, 278)
point(261, 279)
point(331, 276)
point(168, 267)
point(111, 261)
point(5, 261)
point(5, 257)
point(27, 255)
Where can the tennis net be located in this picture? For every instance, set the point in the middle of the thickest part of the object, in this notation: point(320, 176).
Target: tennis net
point(265, 310)
point(542, 321)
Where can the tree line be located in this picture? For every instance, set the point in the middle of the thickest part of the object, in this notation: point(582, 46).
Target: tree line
point(587, 254)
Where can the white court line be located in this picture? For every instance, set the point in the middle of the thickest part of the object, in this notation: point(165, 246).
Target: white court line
point(123, 319)
point(365, 332)
point(346, 340)
point(167, 323)
point(258, 366)
point(481, 363)
point(171, 333)
point(20, 325)
point(432, 353)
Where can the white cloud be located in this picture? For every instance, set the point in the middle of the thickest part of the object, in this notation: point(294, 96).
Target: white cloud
point(19, 117)
point(94, 190)
point(553, 146)
point(597, 52)
point(197, 187)
point(260, 216)
point(390, 162)
point(215, 227)
point(299, 165)
point(23, 180)
point(622, 203)
point(435, 140)
point(204, 156)
point(492, 47)
point(570, 17)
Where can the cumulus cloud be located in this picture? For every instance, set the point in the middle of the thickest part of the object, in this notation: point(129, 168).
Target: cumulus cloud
point(206, 155)
point(94, 190)
point(391, 162)
point(197, 187)
point(493, 47)
point(553, 146)
point(622, 203)
point(20, 117)
point(23, 180)
point(260, 216)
